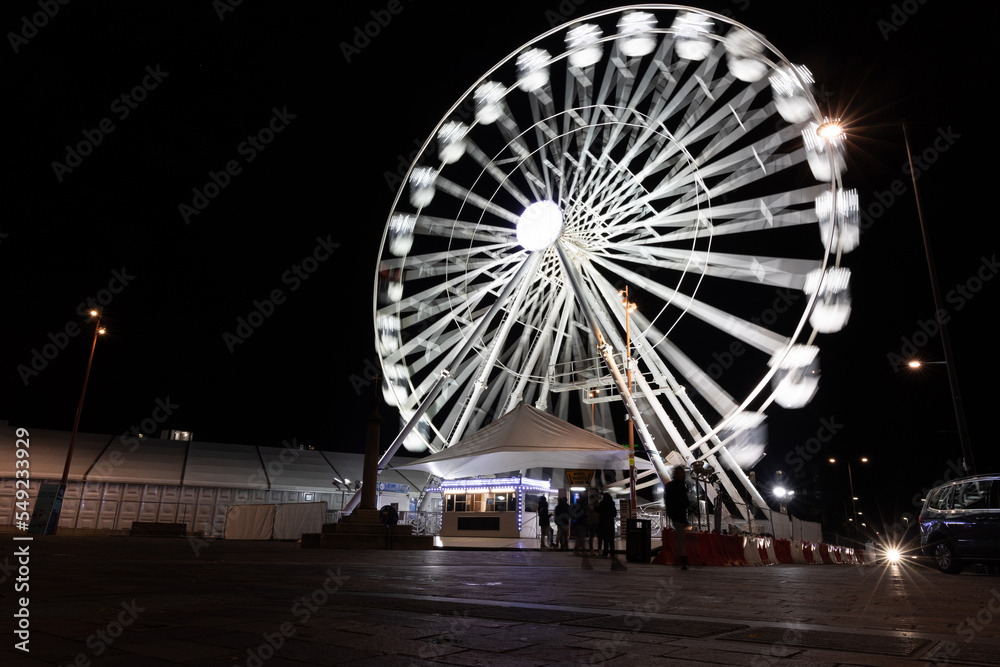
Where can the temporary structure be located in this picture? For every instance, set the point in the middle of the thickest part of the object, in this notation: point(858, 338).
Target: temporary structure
point(525, 438)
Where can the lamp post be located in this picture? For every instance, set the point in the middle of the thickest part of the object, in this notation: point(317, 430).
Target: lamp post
point(956, 399)
point(629, 307)
point(850, 482)
point(963, 430)
point(783, 495)
point(53, 521)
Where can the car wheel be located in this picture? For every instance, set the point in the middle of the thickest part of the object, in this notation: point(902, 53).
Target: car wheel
point(946, 559)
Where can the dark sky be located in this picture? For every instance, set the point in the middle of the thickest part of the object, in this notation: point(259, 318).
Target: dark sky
point(124, 224)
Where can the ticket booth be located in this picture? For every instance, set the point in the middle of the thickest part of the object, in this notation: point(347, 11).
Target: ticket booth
point(489, 507)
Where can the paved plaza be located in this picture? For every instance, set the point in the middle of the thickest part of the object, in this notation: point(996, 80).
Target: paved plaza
point(170, 601)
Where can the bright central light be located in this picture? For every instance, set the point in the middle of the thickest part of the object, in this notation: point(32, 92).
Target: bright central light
point(893, 555)
point(540, 225)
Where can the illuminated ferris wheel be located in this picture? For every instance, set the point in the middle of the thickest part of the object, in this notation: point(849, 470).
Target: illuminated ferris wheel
point(662, 148)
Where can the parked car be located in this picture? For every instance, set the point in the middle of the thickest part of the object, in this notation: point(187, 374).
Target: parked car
point(960, 523)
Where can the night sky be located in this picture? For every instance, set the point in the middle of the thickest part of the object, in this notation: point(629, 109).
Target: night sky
point(241, 160)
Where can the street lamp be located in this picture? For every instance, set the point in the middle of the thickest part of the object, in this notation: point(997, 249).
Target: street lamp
point(629, 307)
point(53, 521)
point(831, 129)
point(963, 430)
point(850, 481)
point(783, 495)
point(956, 398)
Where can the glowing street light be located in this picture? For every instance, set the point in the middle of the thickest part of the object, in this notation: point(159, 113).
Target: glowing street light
point(831, 129)
point(53, 521)
point(916, 363)
point(850, 481)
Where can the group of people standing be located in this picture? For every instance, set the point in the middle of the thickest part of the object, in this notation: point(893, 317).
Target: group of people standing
point(586, 520)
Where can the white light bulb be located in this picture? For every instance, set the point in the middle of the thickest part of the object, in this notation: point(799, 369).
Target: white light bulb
point(540, 225)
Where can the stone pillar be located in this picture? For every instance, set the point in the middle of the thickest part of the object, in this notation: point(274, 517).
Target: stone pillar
point(369, 478)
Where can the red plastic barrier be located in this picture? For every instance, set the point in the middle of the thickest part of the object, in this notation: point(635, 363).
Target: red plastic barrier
point(722, 557)
point(734, 549)
point(715, 549)
point(668, 554)
point(694, 548)
point(765, 558)
point(783, 550)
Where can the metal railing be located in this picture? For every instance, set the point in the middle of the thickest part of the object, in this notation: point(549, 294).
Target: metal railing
point(423, 523)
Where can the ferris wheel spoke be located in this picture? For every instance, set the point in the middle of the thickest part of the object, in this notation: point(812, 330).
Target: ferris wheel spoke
point(764, 270)
point(736, 112)
point(651, 344)
point(456, 396)
point(493, 402)
point(448, 263)
point(748, 332)
point(766, 212)
point(542, 338)
point(467, 231)
point(487, 278)
point(548, 139)
point(454, 357)
point(691, 91)
point(523, 155)
point(496, 173)
point(557, 345)
point(495, 346)
point(427, 305)
point(466, 195)
point(718, 398)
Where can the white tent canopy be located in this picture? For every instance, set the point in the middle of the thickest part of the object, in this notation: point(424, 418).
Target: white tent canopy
point(525, 438)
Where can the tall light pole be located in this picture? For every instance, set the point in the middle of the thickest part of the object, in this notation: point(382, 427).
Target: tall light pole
point(53, 522)
point(629, 307)
point(956, 399)
point(834, 130)
point(854, 499)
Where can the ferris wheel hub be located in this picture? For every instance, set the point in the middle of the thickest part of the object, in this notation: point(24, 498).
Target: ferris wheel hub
point(540, 225)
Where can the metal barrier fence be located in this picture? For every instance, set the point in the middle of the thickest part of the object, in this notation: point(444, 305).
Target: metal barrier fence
point(424, 523)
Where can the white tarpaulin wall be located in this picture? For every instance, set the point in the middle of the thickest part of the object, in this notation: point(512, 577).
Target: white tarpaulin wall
point(290, 521)
point(525, 438)
point(785, 527)
point(277, 522)
point(250, 522)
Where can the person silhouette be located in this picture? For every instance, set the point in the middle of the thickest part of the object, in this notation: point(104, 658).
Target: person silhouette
point(676, 501)
point(544, 522)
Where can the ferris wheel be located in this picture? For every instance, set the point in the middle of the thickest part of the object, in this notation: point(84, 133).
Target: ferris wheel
point(660, 149)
